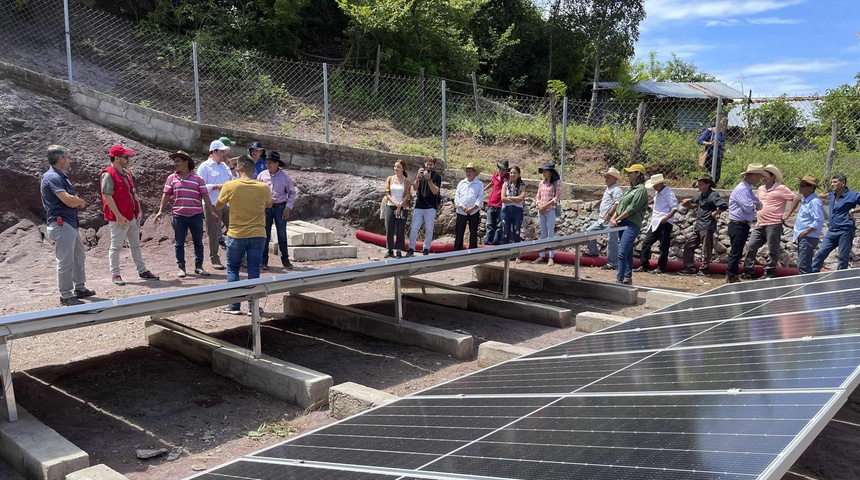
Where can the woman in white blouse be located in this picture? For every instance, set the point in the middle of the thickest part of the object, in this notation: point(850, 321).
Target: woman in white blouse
point(398, 193)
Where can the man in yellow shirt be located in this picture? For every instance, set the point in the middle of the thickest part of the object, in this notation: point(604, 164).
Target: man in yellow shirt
point(246, 234)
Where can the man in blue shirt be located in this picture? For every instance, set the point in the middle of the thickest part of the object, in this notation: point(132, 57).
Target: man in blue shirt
point(809, 223)
point(742, 207)
point(62, 205)
point(841, 231)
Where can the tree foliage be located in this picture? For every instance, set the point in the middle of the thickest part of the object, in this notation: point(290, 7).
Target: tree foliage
point(843, 105)
point(776, 121)
point(675, 70)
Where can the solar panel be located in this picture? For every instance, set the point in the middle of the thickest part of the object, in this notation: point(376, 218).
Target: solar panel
point(730, 385)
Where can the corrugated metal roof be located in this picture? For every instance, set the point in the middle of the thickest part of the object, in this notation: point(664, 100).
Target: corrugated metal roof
point(680, 90)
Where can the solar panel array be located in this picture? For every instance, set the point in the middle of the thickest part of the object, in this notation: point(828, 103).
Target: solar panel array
point(733, 384)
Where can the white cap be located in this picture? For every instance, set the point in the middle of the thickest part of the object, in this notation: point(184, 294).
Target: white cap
point(218, 145)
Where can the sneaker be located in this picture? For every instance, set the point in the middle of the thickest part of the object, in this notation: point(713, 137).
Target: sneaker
point(232, 311)
point(539, 260)
point(410, 253)
point(746, 276)
point(641, 269)
point(767, 276)
point(609, 267)
point(627, 281)
point(399, 255)
point(181, 273)
point(147, 275)
point(216, 264)
point(117, 280)
point(733, 279)
point(71, 301)
point(287, 264)
point(200, 271)
point(389, 254)
point(686, 272)
point(83, 293)
point(251, 314)
point(657, 271)
point(702, 273)
point(550, 262)
point(519, 261)
point(264, 266)
point(425, 252)
point(222, 244)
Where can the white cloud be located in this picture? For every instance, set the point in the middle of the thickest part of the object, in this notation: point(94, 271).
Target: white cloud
point(772, 21)
point(797, 65)
point(665, 47)
point(661, 10)
point(791, 76)
point(731, 22)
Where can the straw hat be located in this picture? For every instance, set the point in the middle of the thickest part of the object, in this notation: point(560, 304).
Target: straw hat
point(771, 168)
point(473, 166)
point(705, 177)
point(754, 168)
point(655, 179)
point(613, 172)
point(810, 180)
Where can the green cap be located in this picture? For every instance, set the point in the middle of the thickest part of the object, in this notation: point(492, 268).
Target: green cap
point(227, 141)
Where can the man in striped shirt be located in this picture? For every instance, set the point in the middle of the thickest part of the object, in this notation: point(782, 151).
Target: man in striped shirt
point(188, 191)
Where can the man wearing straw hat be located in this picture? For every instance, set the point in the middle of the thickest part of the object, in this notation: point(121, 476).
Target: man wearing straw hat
point(469, 199)
point(607, 207)
point(710, 205)
point(809, 222)
point(841, 229)
point(774, 197)
point(660, 226)
point(742, 207)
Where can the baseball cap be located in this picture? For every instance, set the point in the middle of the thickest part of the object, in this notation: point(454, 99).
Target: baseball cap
point(227, 141)
point(217, 145)
point(120, 151)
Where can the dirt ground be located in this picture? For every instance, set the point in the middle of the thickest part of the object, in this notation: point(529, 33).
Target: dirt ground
point(109, 393)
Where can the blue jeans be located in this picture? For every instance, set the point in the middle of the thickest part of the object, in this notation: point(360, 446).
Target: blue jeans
point(611, 244)
point(512, 223)
point(805, 249)
point(625, 249)
point(181, 226)
point(494, 218)
point(426, 217)
point(841, 238)
point(275, 214)
point(547, 228)
point(237, 248)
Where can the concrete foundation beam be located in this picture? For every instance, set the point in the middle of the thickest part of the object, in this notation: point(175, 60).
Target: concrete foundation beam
point(475, 300)
point(296, 384)
point(565, 285)
point(491, 353)
point(588, 322)
point(348, 399)
point(320, 252)
point(657, 299)
point(380, 326)
point(96, 472)
point(36, 451)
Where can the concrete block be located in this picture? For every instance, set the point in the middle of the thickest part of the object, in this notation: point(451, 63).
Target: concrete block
point(79, 98)
point(380, 326)
point(135, 116)
point(96, 472)
point(564, 285)
point(296, 384)
point(161, 125)
point(180, 340)
point(111, 108)
point(658, 299)
point(37, 451)
point(491, 353)
point(321, 236)
point(322, 252)
point(589, 322)
point(146, 133)
point(348, 399)
point(434, 294)
point(167, 139)
point(187, 134)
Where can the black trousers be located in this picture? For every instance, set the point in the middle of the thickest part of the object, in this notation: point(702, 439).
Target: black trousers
point(738, 233)
point(460, 230)
point(663, 233)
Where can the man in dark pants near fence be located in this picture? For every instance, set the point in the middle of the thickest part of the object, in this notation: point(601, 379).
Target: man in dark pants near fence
point(841, 228)
point(660, 227)
point(710, 206)
point(494, 203)
point(283, 197)
point(742, 207)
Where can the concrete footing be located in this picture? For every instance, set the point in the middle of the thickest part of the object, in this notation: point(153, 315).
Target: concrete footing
point(475, 300)
point(348, 399)
point(491, 353)
point(588, 322)
point(548, 282)
point(380, 326)
point(36, 451)
point(657, 299)
point(290, 382)
point(96, 472)
point(321, 252)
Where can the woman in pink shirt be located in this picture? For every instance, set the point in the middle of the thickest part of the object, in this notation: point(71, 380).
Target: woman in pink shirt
point(548, 196)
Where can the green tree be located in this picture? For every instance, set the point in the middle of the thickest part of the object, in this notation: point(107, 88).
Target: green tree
point(843, 105)
point(775, 121)
point(675, 70)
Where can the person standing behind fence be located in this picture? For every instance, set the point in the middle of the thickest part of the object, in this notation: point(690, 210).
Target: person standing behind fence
point(710, 205)
point(427, 185)
point(809, 222)
point(494, 204)
point(468, 200)
point(660, 225)
point(841, 230)
point(188, 191)
point(630, 213)
point(547, 199)
point(707, 140)
point(742, 207)
point(122, 212)
point(215, 173)
point(61, 206)
point(283, 197)
point(774, 197)
point(246, 236)
point(607, 208)
point(513, 196)
point(398, 191)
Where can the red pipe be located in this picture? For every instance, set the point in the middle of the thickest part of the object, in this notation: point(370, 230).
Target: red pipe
point(569, 257)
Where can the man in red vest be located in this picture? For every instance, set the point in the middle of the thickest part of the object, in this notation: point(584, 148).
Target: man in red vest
point(122, 211)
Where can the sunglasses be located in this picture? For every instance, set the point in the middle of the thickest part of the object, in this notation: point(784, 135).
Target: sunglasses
point(801, 185)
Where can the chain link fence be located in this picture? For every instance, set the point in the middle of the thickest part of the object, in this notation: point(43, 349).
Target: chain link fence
point(426, 115)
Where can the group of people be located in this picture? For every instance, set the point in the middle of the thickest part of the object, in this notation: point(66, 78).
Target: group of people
point(246, 195)
point(756, 218)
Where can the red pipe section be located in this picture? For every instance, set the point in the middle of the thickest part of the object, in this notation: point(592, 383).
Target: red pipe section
point(569, 257)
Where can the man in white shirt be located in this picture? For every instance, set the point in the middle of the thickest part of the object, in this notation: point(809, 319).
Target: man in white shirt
point(607, 207)
point(215, 173)
point(469, 199)
point(665, 206)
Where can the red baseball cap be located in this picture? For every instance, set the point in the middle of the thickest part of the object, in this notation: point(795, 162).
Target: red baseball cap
point(120, 151)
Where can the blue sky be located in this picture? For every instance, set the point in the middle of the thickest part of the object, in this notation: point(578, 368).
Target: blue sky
point(798, 47)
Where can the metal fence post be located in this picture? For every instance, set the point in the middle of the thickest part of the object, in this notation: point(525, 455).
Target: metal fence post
point(444, 125)
point(831, 151)
point(196, 81)
point(563, 135)
point(325, 99)
point(715, 163)
point(68, 41)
